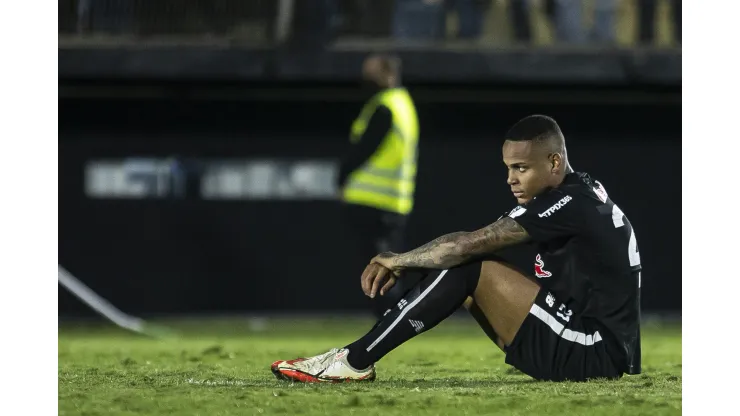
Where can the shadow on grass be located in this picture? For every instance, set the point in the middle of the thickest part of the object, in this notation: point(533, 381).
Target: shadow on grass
point(384, 384)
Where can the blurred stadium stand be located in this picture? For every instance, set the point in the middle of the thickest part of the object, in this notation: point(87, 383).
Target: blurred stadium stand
point(460, 40)
point(487, 22)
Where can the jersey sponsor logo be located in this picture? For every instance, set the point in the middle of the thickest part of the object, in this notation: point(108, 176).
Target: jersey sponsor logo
point(402, 303)
point(556, 206)
point(539, 270)
point(517, 212)
point(600, 192)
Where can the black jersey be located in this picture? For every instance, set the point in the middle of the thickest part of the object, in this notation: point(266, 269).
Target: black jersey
point(588, 256)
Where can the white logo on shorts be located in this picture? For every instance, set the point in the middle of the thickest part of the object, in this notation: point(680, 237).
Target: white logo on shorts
point(550, 299)
point(418, 325)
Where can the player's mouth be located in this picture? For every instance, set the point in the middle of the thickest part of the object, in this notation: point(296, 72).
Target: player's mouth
point(517, 194)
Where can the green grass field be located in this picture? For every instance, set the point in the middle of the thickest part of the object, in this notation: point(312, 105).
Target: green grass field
point(222, 368)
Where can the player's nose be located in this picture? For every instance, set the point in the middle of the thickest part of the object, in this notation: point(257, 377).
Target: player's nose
point(511, 180)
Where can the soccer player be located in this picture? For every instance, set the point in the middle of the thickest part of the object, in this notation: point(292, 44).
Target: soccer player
point(575, 318)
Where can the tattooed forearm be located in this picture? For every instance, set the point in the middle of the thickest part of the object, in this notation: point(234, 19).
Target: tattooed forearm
point(502, 233)
point(454, 249)
point(435, 254)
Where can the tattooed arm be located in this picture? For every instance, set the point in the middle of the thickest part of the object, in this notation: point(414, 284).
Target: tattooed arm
point(457, 248)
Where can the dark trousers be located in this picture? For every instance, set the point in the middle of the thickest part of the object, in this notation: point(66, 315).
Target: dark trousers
point(520, 19)
point(646, 12)
point(368, 232)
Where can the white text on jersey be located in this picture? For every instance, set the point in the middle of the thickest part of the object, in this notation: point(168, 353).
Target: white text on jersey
point(556, 207)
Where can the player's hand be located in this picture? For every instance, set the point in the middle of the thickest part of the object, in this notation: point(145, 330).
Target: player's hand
point(374, 276)
point(387, 260)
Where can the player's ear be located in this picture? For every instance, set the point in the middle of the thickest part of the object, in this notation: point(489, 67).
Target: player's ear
point(555, 161)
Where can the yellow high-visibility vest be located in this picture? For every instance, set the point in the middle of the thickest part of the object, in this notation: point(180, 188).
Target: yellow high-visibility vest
point(387, 180)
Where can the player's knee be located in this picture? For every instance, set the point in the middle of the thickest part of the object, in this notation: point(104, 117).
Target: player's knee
point(468, 275)
point(502, 271)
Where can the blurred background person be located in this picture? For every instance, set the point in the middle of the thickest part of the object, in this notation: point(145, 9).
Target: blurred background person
point(419, 19)
point(378, 174)
point(520, 17)
point(568, 19)
point(603, 29)
point(646, 10)
point(430, 19)
point(471, 14)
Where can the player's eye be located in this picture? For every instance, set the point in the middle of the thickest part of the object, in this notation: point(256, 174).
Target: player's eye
point(521, 169)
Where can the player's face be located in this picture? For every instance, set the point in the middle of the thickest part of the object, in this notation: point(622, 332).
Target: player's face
point(530, 169)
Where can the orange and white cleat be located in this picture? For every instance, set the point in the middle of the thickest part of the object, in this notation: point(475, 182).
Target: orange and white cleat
point(329, 367)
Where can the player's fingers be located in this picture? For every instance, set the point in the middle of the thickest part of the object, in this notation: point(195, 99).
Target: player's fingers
point(388, 285)
point(367, 278)
point(380, 275)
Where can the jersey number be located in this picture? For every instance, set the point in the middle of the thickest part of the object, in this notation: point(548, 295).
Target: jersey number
point(618, 219)
point(564, 314)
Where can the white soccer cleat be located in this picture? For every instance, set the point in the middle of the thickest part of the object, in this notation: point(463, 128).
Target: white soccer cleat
point(330, 367)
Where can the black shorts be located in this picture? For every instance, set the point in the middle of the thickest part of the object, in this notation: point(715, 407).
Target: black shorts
point(555, 344)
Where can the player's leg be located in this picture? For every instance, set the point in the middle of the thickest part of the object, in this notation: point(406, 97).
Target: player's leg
point(475, 309)
point(541, 336)
point(480, 318)
point(439, 294)
point(504, 296)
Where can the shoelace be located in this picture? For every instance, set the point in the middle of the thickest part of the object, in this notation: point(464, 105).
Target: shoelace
point(322, 361)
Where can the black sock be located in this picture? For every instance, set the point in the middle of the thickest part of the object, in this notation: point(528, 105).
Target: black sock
point(385, 304)
point(428, 303)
